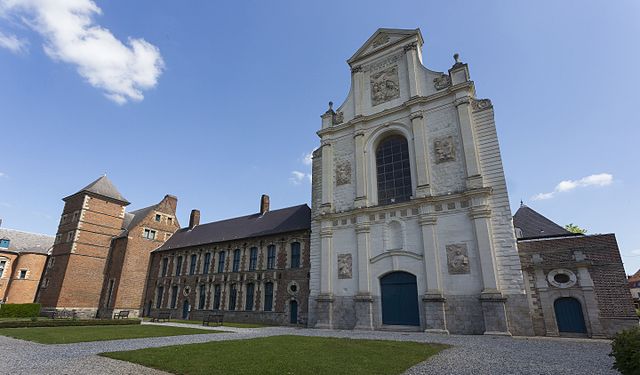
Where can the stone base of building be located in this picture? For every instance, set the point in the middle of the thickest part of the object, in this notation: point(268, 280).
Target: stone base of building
point(78, 312)
point(108, 313)
point(253, 317)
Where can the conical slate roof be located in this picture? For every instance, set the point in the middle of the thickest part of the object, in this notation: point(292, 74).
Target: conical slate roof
point(103, 187)
point(533, 224)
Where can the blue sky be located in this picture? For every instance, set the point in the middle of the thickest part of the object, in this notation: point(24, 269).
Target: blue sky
point(219, 103)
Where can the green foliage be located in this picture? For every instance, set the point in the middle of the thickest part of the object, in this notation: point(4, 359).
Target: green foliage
point(66, 335)
point(66, 322)
point(19, 310)
point(285, 355)
point(575, 229)
point(638, 312)
point(625, 348)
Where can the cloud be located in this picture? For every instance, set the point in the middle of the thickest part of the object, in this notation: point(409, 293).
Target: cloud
point(3, 175)
point(602, 179)
point(298, 177)
point(307, 159)
point(13, 43)
point(122, 71)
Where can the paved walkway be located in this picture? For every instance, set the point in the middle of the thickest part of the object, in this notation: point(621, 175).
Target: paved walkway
point(469, 355)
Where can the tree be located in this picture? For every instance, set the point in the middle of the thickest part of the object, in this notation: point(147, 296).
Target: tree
point(575, 229)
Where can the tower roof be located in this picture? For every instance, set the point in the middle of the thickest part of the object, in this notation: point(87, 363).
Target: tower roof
point(533, 224)
point(103, 187)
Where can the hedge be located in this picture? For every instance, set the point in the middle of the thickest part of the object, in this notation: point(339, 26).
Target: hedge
point(625, 349)
point(19, 310)
point(67, 322)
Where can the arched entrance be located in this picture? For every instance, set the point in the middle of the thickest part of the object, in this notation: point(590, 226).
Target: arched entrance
point(569, 315)
point(399, 299)
point(293, 312)
point(185, 309)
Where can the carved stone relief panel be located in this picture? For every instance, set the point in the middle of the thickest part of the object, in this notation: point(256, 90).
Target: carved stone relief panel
point(343, 173)
point(345, 266)
point(445, 149)
point(385, 86)
point(457, 259)
point(442, 82)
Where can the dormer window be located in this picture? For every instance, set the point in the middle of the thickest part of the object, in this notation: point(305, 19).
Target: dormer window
point(4, 243)
point(158, 217)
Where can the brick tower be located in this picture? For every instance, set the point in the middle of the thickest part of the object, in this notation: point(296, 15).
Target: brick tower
point(90, 219)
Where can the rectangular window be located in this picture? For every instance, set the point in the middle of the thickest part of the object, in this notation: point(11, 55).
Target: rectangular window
point(295, 255)
point(4, 243)
point(221, 262)
point(3, 264)
point(149, 234)
point(271, 257)
point(58, 238)
point(207, 263)
point(70, 236)
point(268, 296)
point(159, 297)
point(253, 258)
point(193, 265)
point(63, 219)
point(249, 302)
point(179, 266)
point(233, 294)
point(174, 296)
point(165, 266)
point(202, 296)
point(170, 220)
point(158, 217)
point(236, 260)
point(76, 215)
point(216, 297)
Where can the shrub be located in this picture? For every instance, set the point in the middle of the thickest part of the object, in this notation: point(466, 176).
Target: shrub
point(625, 348)
point(67, 322)
point(19, 310)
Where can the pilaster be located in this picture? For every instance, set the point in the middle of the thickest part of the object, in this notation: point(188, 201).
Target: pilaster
point(474, 174)
point(423, 188)
point(413, 66)
point(327, 178)
point(361, 178)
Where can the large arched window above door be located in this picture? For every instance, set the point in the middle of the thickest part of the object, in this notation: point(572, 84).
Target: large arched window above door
point(393, 170)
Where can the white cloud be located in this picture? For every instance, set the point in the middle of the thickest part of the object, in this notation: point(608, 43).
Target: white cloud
point(3, 174)
point(602, 179)
point(307, 159)
point(122, 71)
point(298, 177)
point(13, 43)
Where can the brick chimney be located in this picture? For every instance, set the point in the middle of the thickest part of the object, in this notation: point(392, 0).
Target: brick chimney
point(171, 201)
point(264, 204)
point(194, 219)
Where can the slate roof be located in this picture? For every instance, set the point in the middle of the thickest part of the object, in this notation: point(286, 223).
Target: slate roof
point(25, 242)
point(284, 220)
point(131, 219)
point(534, 225)
point(103, 187)
point(635, 277)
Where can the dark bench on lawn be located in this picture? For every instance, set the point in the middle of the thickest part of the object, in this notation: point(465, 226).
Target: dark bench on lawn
point(212, 318)
point(161, 316)
point(124, 314)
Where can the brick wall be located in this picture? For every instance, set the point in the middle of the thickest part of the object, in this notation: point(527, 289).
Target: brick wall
point(24, 290)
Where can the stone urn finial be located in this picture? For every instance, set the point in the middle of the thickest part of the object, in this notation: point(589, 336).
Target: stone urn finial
point(456, 57)
point(331, 106)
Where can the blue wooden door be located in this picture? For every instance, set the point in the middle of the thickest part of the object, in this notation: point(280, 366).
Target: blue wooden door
point(569, 315)
point(293, 312)
point(185, 310)
point(399, 299)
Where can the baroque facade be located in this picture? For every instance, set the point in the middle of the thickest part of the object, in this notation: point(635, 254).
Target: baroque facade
point(251, 269)
point(411, 222)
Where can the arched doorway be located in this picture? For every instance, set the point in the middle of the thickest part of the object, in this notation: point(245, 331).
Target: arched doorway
point(185, 309)
point(293, 312)
point(399, 299)
point(569, 315)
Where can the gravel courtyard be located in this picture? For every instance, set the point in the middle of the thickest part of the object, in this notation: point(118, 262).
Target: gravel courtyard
point(469, 355)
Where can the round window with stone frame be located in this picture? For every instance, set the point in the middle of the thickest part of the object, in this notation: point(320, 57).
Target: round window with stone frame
point(562, 278)
point(293, 288)
point(186, 291)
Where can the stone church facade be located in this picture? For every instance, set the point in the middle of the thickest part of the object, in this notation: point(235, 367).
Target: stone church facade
point(409, 198)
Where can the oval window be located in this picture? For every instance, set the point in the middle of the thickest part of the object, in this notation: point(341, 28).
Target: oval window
point(562, 278)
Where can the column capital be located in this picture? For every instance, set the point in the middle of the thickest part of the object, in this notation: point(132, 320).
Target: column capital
point(427, 219)
point(416, 115)
point(356, 69)
point(363, 228)
point(478, 212)
point(411, 47)
point(462, 100)
point(326, 233)
point(359, 133)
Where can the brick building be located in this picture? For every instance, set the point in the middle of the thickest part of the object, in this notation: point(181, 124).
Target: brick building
point(252, 268)
point(576, 283)
point(23, 257)
point(93, 225)
point(634, 286)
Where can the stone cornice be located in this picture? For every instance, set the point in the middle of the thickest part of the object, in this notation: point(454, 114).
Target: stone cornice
point(480, 212)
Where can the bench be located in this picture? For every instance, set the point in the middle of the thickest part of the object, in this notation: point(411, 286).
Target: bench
point(161, 316)
point(124, 314)
point(212, 318)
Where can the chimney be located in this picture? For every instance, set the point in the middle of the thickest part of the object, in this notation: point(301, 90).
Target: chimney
point(172, 202)
point(194, 219)
point(264, 204)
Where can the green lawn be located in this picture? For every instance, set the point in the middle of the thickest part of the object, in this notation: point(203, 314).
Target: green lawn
point(66, 335)
point(226, 324)
point(284, 355)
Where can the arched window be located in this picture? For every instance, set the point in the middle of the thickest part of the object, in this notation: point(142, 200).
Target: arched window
point(233, 294)
point(236, 260)
point(271, 257)
point(253, 258)
point(193, 265)
point(393, 170)
point(202, 296)
point(221, 261)
point(179, 266)
point(249, 301)
point(207, 263)
point(216, 297)
point(268, 296)
point(295, 255)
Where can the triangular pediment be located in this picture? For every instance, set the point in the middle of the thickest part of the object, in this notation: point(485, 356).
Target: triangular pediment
point(384, 38)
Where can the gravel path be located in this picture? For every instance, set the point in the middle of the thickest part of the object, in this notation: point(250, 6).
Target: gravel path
point(469, 355)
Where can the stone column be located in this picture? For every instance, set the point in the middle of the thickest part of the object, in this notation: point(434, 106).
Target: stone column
point(474, 177)
point(361, 178)
point(413, 69)
point(363, 300)
point(433, 299)
point(327, 178)
point(423, 188)
point(357, 82)
point(324, 300)
point(591, 304)
point(491, 298)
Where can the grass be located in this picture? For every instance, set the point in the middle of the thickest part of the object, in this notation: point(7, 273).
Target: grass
point(66, 335)
point(284, 355)
point(225, 324)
